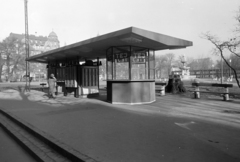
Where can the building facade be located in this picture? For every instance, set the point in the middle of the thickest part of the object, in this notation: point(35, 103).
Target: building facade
point(39, 44)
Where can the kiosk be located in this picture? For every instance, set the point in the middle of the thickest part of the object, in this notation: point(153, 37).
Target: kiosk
point(130, 64)
point(130, 75)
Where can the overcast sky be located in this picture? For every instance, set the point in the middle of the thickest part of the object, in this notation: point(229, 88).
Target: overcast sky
point(77, 20)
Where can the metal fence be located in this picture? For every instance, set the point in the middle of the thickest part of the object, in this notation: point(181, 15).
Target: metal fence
point(214, 73)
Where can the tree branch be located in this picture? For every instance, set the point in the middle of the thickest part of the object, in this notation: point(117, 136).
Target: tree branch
point(220, 46)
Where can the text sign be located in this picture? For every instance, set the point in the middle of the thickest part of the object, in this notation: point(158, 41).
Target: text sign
point(121, 57)
point(139, 57)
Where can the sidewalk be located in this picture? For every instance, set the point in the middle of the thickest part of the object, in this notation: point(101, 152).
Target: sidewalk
point(173, 128)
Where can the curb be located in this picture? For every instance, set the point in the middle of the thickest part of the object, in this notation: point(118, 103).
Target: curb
point(56, 145)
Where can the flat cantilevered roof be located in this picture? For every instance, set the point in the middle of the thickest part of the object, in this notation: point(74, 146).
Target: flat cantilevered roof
point(96, 47)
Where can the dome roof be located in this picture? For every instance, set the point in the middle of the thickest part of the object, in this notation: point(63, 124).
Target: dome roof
point(52, 34)
point(53, 37)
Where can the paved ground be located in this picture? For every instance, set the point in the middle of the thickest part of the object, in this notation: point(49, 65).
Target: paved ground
point(9, 147)
point(174, 128)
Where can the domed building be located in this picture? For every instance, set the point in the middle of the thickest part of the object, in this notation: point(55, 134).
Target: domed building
point(39, 44)
point(52, 41)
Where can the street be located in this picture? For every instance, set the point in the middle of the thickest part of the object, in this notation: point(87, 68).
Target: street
point(171, 129)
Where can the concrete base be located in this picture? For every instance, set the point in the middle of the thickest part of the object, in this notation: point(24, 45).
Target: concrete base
point(131, 92)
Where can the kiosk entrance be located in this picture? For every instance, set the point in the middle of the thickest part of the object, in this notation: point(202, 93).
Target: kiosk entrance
point(73, 77)
point(130, 64)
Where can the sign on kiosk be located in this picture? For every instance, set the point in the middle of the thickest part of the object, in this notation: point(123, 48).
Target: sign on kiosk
point(121, 57)
point(139, 57)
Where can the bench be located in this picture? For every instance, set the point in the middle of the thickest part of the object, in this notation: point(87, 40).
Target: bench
point(225, 93)
point(43, 84)
point(160, 88)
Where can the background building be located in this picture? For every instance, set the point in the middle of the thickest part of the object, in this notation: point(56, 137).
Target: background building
point(39, 44)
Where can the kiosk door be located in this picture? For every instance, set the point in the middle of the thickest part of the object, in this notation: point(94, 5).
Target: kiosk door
point(88, 80)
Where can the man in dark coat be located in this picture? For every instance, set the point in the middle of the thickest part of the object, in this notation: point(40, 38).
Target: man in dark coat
point(52, 86)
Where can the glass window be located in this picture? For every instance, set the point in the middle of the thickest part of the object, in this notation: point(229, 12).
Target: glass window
point(109, 64)
point(121, 57)
point(130, 63)
point(151, 64)
point(139, 72)
point(139, 62)
point(122, 71)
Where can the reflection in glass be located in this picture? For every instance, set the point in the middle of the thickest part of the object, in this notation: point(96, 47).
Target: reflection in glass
point(109, 71)
point(122, 71)
point(109, 64)
point(151, 64)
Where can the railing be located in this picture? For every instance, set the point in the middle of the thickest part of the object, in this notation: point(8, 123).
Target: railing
point(213, 73)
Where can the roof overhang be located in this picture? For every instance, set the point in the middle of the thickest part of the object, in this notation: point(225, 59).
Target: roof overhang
point(96, 47)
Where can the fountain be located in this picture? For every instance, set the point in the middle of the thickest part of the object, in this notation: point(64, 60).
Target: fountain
point(185, 70)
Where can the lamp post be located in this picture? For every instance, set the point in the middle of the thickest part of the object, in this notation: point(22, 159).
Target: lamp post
point(27, 46)
point(39, 75)
point(212, 71)
point(230, 67)
point(221, 70)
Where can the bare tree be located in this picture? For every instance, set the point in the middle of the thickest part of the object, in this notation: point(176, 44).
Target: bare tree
point(2, 62)
point(6, 47)
point(230, 46)
point(235, 61)
point(160, 65)
point(220, 47)
point(164, 64)
point(18, 58)
point(169, 58)
point(200, 63)
point(12, 52)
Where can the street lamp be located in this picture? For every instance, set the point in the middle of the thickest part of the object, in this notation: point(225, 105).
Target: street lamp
point(230, 67)
point(221, 70)
point(39, 75)
point(212, 71)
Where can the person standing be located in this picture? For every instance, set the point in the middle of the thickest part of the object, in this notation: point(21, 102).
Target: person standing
point(52, 86)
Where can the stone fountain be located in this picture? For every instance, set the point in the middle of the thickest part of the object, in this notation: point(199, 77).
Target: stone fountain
point(185, 70)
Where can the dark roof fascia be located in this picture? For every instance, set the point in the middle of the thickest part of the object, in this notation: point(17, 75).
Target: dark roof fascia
point(170, 42)
point(85, 42)
point(165, 39)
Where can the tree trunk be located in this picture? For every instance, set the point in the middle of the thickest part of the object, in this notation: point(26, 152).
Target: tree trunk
point(8, 68)
point(1, 66)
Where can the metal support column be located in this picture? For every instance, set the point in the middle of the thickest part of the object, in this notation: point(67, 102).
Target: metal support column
point(28, 79)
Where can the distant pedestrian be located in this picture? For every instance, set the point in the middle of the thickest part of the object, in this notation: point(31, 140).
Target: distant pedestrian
point(52, 86)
